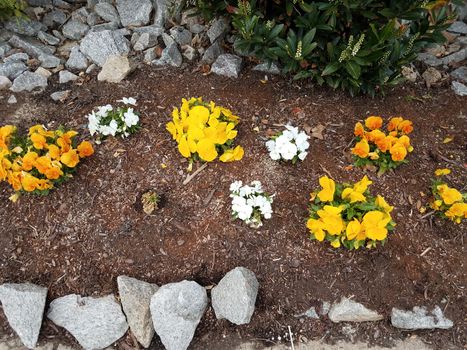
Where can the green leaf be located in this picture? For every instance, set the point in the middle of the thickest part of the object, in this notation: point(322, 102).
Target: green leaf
point(331, 68)
point(353, 69)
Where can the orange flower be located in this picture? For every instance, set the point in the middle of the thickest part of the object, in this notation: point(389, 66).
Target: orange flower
point(54, 152)
point(39, 141)
point(43, 164)
point(406, 127)
point(85, 149)
point(70, 158)
point(29, 182)
point(394, 122)
point(53, 173)
point(373, 122)
point(398, 152)
point(405, 140)
point(375, 135)
point(14, 179)
point(29, 160)
point(359, 130)
point(361, 149)
point(384, 144)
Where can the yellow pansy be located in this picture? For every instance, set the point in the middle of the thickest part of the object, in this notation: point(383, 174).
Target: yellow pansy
point(361, 149)
point(442, 172)
point(355, 194)
point(38, 141)
point(374, 223)
point(70, 158)
point(183, 147)
point(355, 230)
point(5, 135)
point(207, 150)
point(381, 202)
point(329, 187)
point(332, 219)
point(457, 211)
point(448, 194)
point(316, 227)
point(373, 122)
point(231, 155)
point(336, 243)
point(29, 160)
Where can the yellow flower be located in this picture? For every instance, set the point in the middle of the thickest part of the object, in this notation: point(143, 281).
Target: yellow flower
point(54, 152)
point(359, 130)
point(70, 158)
point(183, 147)
point(85, 149)
point(394, 122)
point(361, 149)
point(231, 155)
point(373, 122)
point(457, 211)
point(381, 202)
point(363, 184)
point(42, 164)
point(207, 150)
point(374, 223)
point(375, 135)
point(398, 152)
point(29, 182)
point(355, 194)
point(442, 172)
point(448, 194)
point(405, 126)
point(29, 160)
point(5, 135)
point(332, 219)
point(38, 141)
point(436, 204)
point(384, 144)
point(354, 230)
point(53, 173)
point(316, 227)
point(336, 243)
point(329, 187)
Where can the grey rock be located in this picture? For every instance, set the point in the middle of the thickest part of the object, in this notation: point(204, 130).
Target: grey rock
point(459, 88)
point(107, 12)
point(350, 311)
point(29, 81)
point(135, 296)
point(80, 14)
point(98, 46)
point(23, 305)
point(458, 27)
point(462, 40)
point(149, 55)
point(46, 38)
point(460, 74)
point(266, 67)
point(60, 96)
point(310, 313)
point(227, 65)
point(410, 73)
point(154, 30)
point(65, 76)
point(134, 12)
point(181, 35)
point(170, 56)
point(325, 307)
point(165, 10)
point(58, 34)
point(218, 29)
point(189, 52)
point(5, 83)
point(44, 72)
point(77, 60)
point(65, 49)
point(235, 296)
point(49, 61)
point(105, 26)
point(22, 26)
point(95, 322)
point(12, 70)
point(74, 29)
point(91, 68)
point(32, 47)
point(115, 69)
point(4, 48)
point(61, 4)
point(429, 59)
point(431, 76)
point(92, 19)
point(212, 53)
point(456, 57)
point(39, 2)
point(144, 41)
point(420, 318)
point(90, 4)
point(168, 40)
point(54, 18)
point(189, 17)
point(176, 310)
point(12, 100)
point(17, 57)
point(197, 28)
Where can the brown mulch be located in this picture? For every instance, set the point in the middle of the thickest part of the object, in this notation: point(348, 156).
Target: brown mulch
point(92, 229)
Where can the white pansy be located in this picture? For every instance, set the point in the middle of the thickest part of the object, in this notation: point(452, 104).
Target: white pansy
point(103, 110)
point(271, 145)
point(235, 186)
point(130, 118)
point(288, 151)
point(128, 101)
point(291, 144)
point(302, 155)
point(93, 124)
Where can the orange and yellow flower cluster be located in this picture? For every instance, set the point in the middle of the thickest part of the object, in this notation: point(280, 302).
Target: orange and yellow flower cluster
point(36, 162)
point(205, 131)
point(348, 215)
point(448, 201)
point(384, 150)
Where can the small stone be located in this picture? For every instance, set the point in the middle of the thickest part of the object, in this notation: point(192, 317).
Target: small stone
point(61, 4)
point(60, 96)
point(170, 56)
point(5, 83)
point(420, 318)
point(44, 72)
point(95, 322)
point(227, 65)
point(4, 48)
point(93, 19)
point(325, 307)
point(23, 305)
point(134, 12)
point(154, 30)
point(144, 41)
point(77, 60)
point(54, 18)
point(189, 52)
point(181, 35)
point(189, 17)
point(176, 310)
point(410, 73)
point(460, 74)
point(99, 46)
point(218, 29)
point(48, 39)
point(135, 296)
point(107, 12)
point(113, 26)
point(74, 29)
point(80, 14)
point(49, 61)
point(458, 27)
point(12, 100)
point(65, 76)
point(459, 88)
point(24, 26)
point(431, 76)
point(212, 53)
point(456, 57)
point(12, 70)
point(265, 67)
point(429, 59)
point(115, 69)
point(91, 68)
point(29, 81)
point(17, 57)
point(235, 296)
point(149, 55)
point(197, 28)
point(350, 311)
point(310, 313)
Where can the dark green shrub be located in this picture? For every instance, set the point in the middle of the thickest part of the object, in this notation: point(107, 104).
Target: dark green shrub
point(356, 45)
point(11, 8)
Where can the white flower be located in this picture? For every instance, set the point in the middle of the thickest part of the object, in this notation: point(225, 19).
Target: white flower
point(246, 190)
point(257, 186)
point(288, 151)
point(110, 129)
point(128, 101)
point(235, 186)
point(302, 141)
point(271, 145)
point(302, 155)
point(93, 124)
point(102, 110)
point(130, 118)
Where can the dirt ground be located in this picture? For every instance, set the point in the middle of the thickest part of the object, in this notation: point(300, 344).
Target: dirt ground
point(92, 229)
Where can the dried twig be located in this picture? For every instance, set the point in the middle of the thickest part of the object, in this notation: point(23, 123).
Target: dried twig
point(291, 338)
point(196, 172)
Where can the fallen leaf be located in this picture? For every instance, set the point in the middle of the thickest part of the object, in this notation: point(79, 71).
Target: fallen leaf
point(256, 129)
point(422, 210)
point(348, 167)
point(317, 131)
point(448, 139)
point(163, 166)
point(307, 128)
point(419, 204)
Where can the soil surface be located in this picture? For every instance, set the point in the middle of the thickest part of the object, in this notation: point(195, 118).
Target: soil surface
point(83, 235)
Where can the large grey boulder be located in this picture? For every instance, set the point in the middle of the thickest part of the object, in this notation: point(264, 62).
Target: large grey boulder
point(135, 296)
point(420, 318)
point(459, 88)
point(107, 12)
point(95, 322)
point(75, 29)
point(23, 26)
point(211, 53)
point(144, 41)
point(77, 60)
point(17, 57)
point(170, 56)
point(218, 29)
point(99, 46)
point(23, 305)
point(29, 81)
point(12, 70)
point(350, 311)
point(115, 69)
point(227, 65)
point(176, 310)
point(134, 12)
point(32, 47)
point(429, 59)
point(235, 296)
